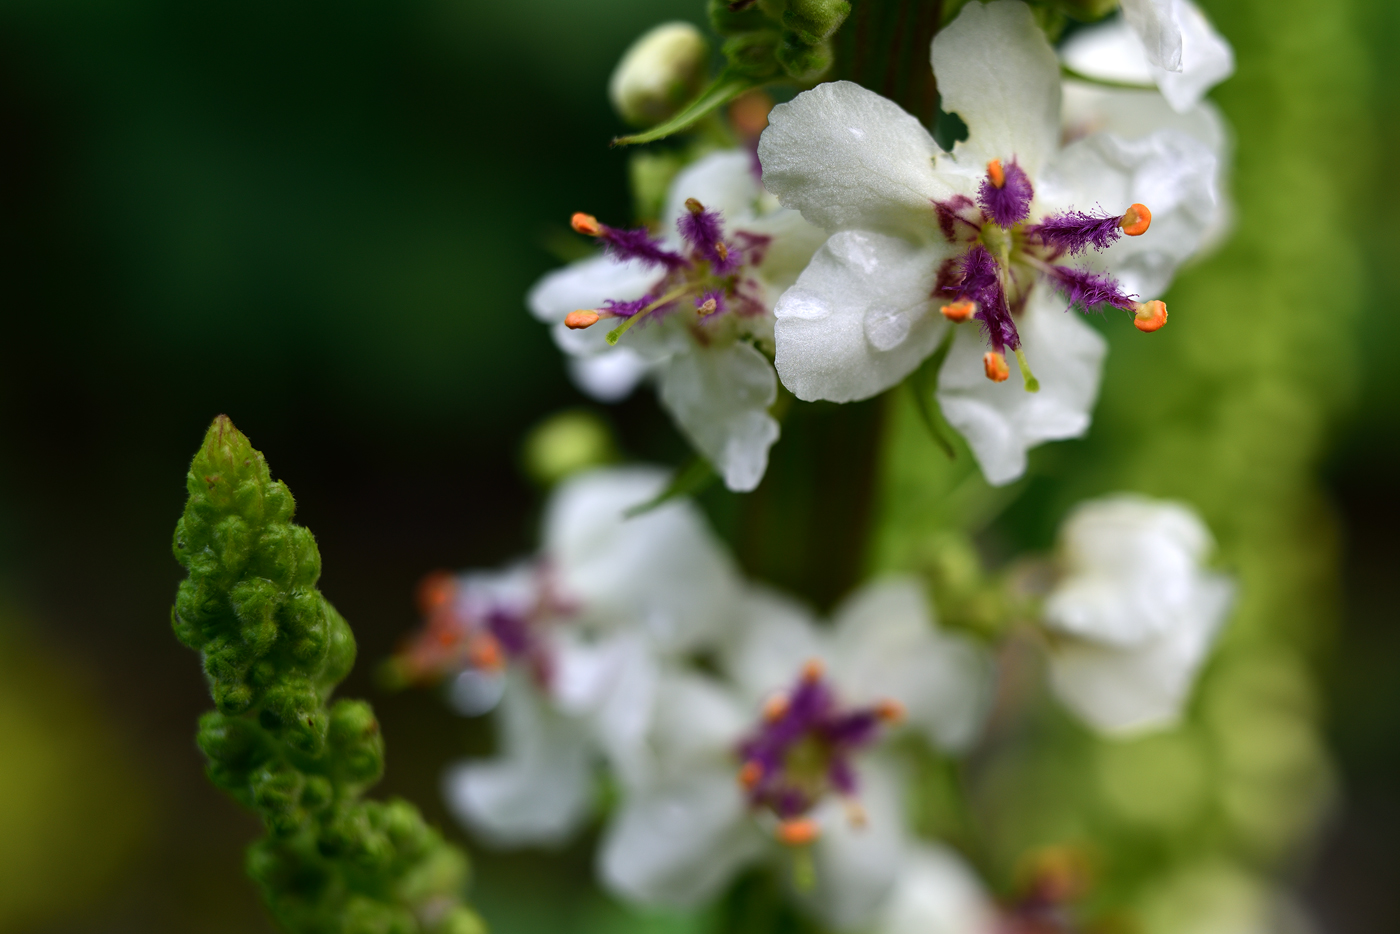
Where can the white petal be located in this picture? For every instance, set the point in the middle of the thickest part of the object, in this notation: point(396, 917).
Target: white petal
point(1156, 25)
point(857, 864)
point(587, 284)
point(719, 397)
point(724, 181)
point(609, 376)
point(663, 569)
point(860, 318)
point(998, 73)
point(698, 722)
point(1124, 691)
point(848, 158)
point(1132, 568)
point(936, 893)
point(1128, 114)
point(539, 789)
point(1001, 421)
point(1172, 173)
point(1114, 51)
point(678, 845)
point(1206, 60)
point(886, 645)
point(1110, 51)
point(790, 249)
point(775, 637)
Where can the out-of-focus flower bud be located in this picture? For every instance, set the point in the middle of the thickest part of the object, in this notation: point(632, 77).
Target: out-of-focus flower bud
point(661, 72)
point(567, 443)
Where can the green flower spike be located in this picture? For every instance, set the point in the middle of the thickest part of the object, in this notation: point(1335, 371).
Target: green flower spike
point(274, 650)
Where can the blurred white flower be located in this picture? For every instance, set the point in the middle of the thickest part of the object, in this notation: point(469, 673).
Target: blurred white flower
point(1169, 43)
point(788, 751)
point(981, 232)
point(701, 299)
point(1136, 612)
point(936, 893)
point(570, 645)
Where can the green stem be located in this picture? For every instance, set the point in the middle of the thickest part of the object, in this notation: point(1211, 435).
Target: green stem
point(884, 46)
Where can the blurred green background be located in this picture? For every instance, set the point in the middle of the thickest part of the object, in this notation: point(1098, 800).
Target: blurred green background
point(321, 219)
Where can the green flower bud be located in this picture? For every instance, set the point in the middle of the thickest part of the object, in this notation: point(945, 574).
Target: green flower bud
point(814, 21)
point(659, 74)
point(803, 61)
point(273, 649)
point(567, 443)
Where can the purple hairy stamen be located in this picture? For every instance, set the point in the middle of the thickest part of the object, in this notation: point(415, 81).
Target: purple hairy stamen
point(704, 231)
point(705, 298)
point(1076, 231)
point(981, 282)
point(1010, 202)
point(1089, 290)
point(810, 715)
point(626, 309)
point(638, 244)
point(958, 218)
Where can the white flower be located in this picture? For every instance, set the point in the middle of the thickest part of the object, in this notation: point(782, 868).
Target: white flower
point(936, 893)
point(732, 766)
point(1136, 611)
point(1166, 42)
point(985, 229)
point(571, 645)
point(701, 298)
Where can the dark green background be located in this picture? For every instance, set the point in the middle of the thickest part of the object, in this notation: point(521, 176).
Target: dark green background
point(320, 219)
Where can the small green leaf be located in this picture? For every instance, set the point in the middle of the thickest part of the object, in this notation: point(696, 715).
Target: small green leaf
point(720, 92)
point(693, 478)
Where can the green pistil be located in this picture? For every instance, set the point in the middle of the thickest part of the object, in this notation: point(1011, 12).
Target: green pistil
point(997, 240)
point(1032, 384)
point(666, 299)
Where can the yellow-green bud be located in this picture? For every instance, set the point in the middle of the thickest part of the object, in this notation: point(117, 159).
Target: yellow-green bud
point(567, 443)
point(660, 73)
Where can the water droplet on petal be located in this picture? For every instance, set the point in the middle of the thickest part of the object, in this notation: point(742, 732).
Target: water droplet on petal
point(886, 327)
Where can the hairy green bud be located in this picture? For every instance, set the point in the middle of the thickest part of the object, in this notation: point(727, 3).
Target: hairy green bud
point(273, 650)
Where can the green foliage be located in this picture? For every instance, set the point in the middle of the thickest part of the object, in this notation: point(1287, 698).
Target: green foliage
point(274, 649)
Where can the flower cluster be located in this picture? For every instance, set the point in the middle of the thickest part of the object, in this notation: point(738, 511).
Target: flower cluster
point(741, 730)
point(1009, 228)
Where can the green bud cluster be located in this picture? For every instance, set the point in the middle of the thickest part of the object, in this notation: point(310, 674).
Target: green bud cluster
point(767, 39)
point(274, 650)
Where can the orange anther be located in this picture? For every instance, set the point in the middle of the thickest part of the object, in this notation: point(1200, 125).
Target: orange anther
point(750, 773)
point(958, 312)
point(708, 308)
point(448, 637)
point(995, 365)
point(578, 320)
point(485, 653)
point(1150, 316)
point(813, 670)
point(799, 831)
point(434, 590)
point(891, 711)
point(855, 813)
point(1136, 220)
point(586, 224)
point(693, 206)
point(749, 113)
point(996, 173)
point(722, 250)
point(775, 706)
